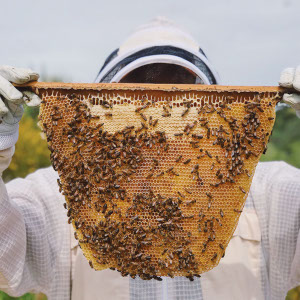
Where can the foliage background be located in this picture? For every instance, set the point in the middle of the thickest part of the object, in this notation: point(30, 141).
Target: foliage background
point(32, 153)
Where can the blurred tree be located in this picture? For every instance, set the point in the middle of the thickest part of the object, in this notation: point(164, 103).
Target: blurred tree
point(28, 296)
point(294, 294)
point(285, 140)
point(31, 150)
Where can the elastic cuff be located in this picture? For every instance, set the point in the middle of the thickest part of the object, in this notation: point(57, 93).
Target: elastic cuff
point(7, 141)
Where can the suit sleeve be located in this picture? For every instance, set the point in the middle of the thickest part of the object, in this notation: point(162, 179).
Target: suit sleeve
point(276, 194)
point(33, 248)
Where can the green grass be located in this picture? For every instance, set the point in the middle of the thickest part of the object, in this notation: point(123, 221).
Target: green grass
point(28, 296)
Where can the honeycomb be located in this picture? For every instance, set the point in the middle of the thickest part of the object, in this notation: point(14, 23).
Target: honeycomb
point(155, 177)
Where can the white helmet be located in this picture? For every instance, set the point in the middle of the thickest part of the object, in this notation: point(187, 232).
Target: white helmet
point(159, 41)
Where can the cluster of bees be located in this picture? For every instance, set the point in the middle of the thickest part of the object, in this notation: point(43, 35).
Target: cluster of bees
point(155, 188)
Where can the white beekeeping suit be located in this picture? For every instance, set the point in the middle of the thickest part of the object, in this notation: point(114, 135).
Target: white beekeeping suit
point(38, 251)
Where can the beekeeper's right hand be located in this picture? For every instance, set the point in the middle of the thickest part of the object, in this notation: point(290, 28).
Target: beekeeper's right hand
point(11, 108)
point(290, 78)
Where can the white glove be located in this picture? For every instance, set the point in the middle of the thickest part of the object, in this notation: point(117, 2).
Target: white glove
point(290, 78)
point(11, 102)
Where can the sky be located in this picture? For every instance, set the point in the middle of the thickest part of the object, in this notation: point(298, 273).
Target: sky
point(248, 41)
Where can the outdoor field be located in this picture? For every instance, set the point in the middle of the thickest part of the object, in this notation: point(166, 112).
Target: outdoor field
point(128, 208)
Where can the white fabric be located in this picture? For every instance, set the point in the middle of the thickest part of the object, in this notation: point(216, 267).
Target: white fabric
point(290, 78)
point(31, 99)
point(34, 237)
point(294, 101)
point(11, 100)
point(158, 32)
point(295, 270)
point(5, 158)
point(8, 91)
point(89, 284)
point(276, 194)
point(8, 141)
point(10, 74)
point(238, 274)
point(35, 248)
point(18, 75)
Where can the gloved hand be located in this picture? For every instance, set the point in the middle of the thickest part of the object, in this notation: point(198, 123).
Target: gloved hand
point(290, 78)
point(11, 102)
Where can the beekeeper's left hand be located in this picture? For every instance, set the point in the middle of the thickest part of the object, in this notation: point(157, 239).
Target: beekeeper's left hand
point(290, 78)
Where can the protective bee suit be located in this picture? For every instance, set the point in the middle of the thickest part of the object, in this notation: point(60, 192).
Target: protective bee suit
point(38, 251)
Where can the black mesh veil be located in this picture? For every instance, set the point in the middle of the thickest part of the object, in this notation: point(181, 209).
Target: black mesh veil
point(157, 50)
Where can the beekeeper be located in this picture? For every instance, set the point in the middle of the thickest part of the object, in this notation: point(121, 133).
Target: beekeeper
point(38, 252)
